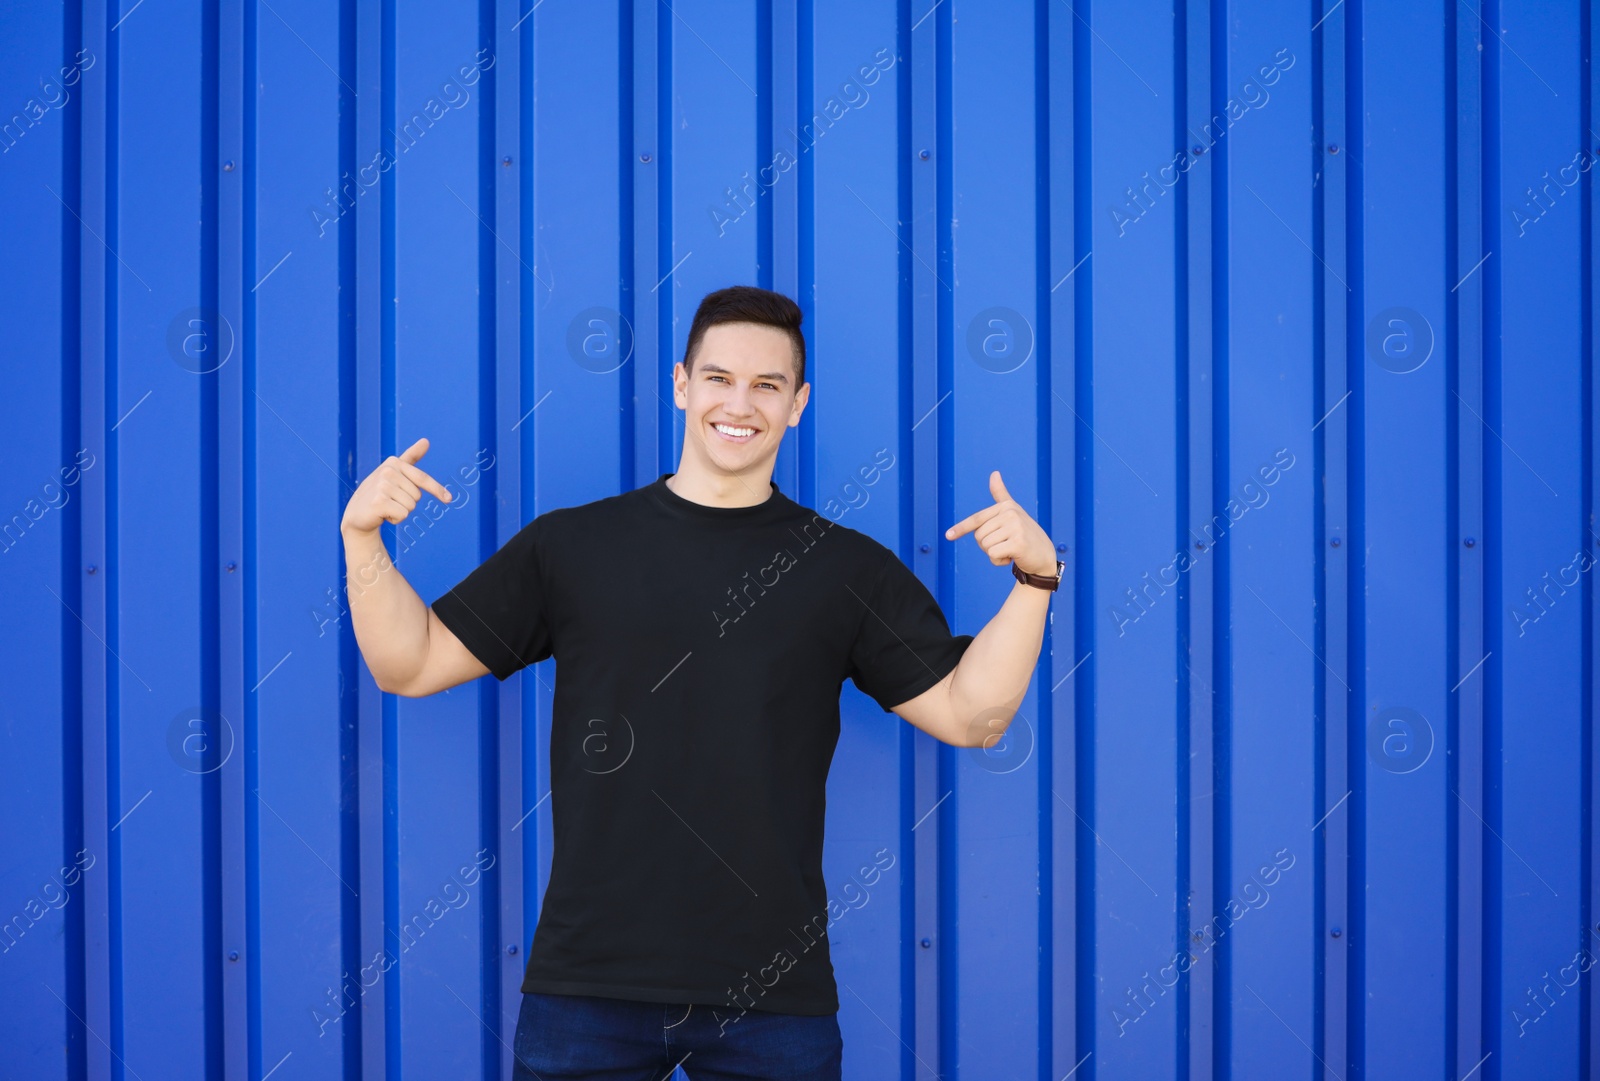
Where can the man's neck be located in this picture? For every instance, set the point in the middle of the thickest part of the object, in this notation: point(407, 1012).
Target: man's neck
point(721, 489)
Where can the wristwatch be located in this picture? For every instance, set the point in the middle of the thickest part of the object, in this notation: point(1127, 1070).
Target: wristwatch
point(1043, 581)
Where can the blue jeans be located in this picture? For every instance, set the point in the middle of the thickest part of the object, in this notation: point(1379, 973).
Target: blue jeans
point(587, 1038)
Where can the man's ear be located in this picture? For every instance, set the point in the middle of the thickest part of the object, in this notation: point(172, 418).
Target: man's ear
point(802, 396)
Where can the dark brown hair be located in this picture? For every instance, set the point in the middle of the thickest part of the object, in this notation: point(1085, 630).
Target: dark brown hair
point(748, 304)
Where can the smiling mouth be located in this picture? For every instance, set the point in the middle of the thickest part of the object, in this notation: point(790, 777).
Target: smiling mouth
point(736, 433)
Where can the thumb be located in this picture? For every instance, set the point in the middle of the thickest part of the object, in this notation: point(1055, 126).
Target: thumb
point(997, 487)
point(415, 451)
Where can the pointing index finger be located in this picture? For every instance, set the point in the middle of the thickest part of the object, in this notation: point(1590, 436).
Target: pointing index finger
point(425, 482)
point(971, 522)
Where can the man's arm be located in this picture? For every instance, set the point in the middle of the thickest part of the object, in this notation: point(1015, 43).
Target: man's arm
point(407, 649)
point(976, 700)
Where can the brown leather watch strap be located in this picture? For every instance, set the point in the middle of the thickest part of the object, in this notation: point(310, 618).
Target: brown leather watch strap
point(1043, 581)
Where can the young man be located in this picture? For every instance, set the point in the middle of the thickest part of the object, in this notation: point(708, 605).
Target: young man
point(703, 626)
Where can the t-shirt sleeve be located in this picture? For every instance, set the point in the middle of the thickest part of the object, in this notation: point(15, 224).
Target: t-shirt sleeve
point(903, 644)
point(499, 610)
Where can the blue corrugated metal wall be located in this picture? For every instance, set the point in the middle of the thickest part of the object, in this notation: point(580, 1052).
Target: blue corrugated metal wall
point(1277, 316)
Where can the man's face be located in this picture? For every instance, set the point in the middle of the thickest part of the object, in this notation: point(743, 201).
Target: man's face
point(740, 397)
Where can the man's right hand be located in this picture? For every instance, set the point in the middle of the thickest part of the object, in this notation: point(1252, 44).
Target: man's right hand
point(390, 492)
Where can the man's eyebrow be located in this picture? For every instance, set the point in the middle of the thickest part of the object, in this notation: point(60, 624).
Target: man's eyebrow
point(779, 376)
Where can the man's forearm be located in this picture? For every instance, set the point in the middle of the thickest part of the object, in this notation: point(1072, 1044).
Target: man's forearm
point(389, 619)
point(992, 678)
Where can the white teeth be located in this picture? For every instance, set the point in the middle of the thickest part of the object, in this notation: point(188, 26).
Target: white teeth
point(735, 432)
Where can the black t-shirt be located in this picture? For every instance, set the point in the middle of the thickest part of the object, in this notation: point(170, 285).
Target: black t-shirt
point(700, 652)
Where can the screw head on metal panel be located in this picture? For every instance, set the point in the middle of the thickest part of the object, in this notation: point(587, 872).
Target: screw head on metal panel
point(1061, 547)
point(232, 567)
point(1334, 542)
point(925, 547)
point(927, 944)
point(1470, 542)
point(91, 568)
point(1333, 148)
point(645, 158)
point(227, 166)
point(512, 949)
point(1199, 150)
point(1335, 932)
point(506, 162)
point(233, 955)
point(923, 155)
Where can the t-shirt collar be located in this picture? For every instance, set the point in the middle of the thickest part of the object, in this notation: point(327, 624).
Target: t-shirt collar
point(688, 508)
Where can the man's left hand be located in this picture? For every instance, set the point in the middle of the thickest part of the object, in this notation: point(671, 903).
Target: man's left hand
point(1007, 534)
